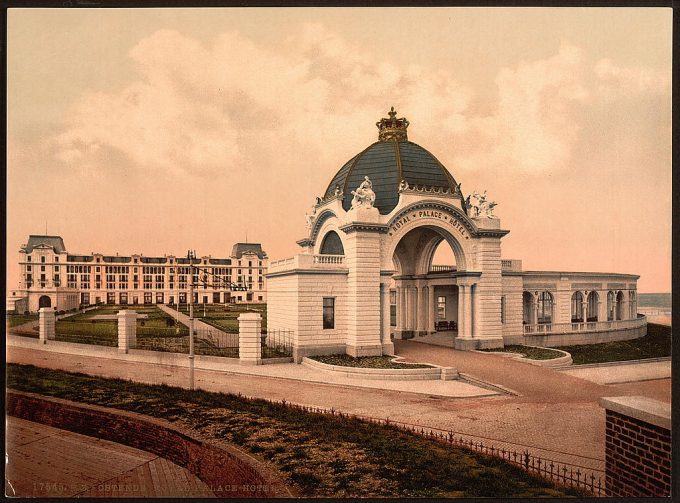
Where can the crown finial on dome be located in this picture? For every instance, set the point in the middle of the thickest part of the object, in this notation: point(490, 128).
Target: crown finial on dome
point(392, 129)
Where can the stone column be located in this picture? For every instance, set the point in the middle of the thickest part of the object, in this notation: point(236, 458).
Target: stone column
point(127, 330)
point(400, 311)
point(47, 323)
point(387, 344)
point(474, 311)
point(601, 307)
point(407, 308)
point(535, 320)
point(584, 308)
point(423, 311)
point(250, 338)
point(432, 310)
point(416, 310)
point(614, 309)
point(461, 310)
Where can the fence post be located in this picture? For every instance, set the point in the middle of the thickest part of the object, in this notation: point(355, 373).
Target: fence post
point(250, 338)
point(47, 323)
point(127, 330)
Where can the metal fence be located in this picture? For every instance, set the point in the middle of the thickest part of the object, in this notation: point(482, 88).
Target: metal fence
point(214, 342)
point(277, 342)
point(588, 479)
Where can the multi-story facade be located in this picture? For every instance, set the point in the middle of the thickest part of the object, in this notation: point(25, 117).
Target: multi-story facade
point(52, 277)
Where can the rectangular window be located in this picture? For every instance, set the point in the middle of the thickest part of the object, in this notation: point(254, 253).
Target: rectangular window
point(328, 312)
point(123, 298)
point(56, 268)
point(28, 258)
point(85, 298)
point(182, 297)
point(110, 298)
point(441, 307)
point(56, 259)
point(42, 259)
point(159, 298)
point(148, 297)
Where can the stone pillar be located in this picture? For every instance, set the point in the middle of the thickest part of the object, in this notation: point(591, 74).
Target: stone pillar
point(407, 308)
point(474, 311)
point(387, 344)
point(400, 312)
point(535, 314)
point(423, 311)
point(584, 308)
point(127, 330)
point(416, 310)
point(47, 324)
point(432, 310)
point(462, 297)
point(362, 257)
point(614, 309)
point(250, 338)
point(602, 306)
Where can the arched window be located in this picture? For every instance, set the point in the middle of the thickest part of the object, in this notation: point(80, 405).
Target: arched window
point(545, 307)
point(577, 307)
point(593, 301)
point(332, 244)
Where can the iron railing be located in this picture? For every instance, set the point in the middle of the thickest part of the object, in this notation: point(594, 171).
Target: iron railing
point(277, 342)
point(586, 478)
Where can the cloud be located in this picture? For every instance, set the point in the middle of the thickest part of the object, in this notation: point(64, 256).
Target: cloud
point(615, 81)
point(234, 104)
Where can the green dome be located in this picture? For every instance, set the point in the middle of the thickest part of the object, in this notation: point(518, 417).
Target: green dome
point(388, 161)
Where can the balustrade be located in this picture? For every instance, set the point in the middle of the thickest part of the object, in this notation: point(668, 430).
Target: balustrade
point(590, 326)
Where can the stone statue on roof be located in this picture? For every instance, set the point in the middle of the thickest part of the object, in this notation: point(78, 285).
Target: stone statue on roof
point(364, 195)
point(482, 207)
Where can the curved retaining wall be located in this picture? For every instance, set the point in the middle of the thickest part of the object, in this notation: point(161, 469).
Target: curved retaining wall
point(561, 361)
point(416, 374)
point(218, 465)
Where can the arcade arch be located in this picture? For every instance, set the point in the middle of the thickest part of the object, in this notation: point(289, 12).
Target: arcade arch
point(428, 297)
point(44, 301)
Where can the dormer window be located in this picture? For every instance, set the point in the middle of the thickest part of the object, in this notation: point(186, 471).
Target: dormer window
point(42, 259)
point(56, 259)
point(28, 258)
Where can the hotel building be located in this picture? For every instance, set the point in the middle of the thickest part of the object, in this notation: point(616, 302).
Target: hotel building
point(53, 277)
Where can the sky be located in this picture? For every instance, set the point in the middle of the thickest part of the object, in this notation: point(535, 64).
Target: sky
point(156, 131)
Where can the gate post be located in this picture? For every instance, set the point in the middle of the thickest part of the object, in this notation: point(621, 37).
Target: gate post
point(47, 324)
point(127, 330)
point(249, 338)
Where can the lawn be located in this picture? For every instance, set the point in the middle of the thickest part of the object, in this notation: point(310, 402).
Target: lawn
point(370, 362)
point(530, 352)
point(14, 320)
point(656, 344)
point(320, 455)
point(223, 317)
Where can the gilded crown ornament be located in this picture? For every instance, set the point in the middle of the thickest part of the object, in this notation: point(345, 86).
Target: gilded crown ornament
point(392, 129)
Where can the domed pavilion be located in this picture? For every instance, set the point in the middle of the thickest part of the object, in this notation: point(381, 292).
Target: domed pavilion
point(365, 275)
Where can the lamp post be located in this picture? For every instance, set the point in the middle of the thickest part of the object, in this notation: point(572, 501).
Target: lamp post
point(191, 255)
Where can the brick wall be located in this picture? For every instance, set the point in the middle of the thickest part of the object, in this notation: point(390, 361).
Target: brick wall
point(216, 464)
point(637, 455)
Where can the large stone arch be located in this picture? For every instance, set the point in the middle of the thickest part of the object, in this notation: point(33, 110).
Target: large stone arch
point(319, 222)
point(459, 241)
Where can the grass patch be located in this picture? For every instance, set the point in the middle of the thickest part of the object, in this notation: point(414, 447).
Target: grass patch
point(367, 362)
point(14, 320)
point(528, 352)
point(656, 344)
point(223, 317)
point(324, 456)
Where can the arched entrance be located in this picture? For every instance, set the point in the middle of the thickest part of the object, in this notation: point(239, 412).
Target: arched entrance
point(426, 295)
point(44, 301)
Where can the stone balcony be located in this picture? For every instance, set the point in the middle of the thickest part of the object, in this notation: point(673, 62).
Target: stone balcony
point(308, 261)
point(508, 265)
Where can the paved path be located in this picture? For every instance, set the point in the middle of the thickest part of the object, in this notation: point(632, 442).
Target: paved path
point(48, 462)
point(556, 416)
point(184, 319)
point(622, 372)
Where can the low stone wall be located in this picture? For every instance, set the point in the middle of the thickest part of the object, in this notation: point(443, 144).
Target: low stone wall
point(560, 361)
point(416, 374)
point(637, 447)
point(229, 472)
point(578, 338)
